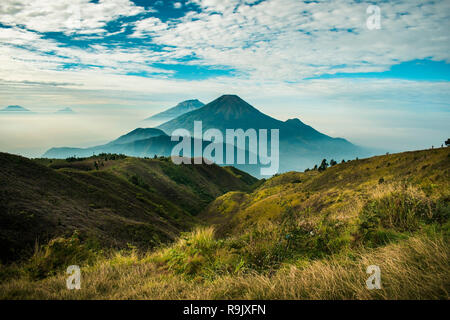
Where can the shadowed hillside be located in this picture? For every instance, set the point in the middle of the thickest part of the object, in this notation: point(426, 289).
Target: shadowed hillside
point(109, 198)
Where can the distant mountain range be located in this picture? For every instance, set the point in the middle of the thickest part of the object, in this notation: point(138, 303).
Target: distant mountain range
point(17, 109)
point(65, 111)
point(301, 146)
point(139, 142)
point(178, 110)
point(22, 110)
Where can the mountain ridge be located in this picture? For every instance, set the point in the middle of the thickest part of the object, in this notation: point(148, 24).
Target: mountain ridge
point(178, 110)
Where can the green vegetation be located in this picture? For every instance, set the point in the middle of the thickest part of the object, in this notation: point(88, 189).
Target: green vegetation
point(127, 200)
point(297, 235)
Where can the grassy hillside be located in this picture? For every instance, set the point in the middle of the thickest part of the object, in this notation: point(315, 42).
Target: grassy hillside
point(109, 199)
point(341, 193)
point(296, 236)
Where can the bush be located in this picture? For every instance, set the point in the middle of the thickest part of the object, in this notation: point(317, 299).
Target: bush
point(382, 220)
point(57, 255)
point(198, 254)
point(138, 181)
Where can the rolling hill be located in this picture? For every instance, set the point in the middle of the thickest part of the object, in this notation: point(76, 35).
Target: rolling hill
point(338, 194)
point(108, 198)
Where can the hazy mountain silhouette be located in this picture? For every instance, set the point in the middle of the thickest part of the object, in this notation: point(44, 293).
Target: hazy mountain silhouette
point(126, 144)
point(230, 111)
point(138, 134)
point(178, 110)
point(66, 110)
point(301, 146)
point(15, 109)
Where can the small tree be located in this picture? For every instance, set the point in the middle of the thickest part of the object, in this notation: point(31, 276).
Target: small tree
point(447, 143)
point(324, 165)
point(332, 162)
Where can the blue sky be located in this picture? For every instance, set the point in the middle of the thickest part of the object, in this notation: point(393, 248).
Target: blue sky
point(315, 60)
point(415, 70)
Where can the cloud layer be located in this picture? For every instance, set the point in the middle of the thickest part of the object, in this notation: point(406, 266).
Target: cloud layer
point(115, 52)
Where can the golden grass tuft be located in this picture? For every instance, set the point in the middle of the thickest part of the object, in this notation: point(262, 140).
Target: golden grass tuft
point(417, 268)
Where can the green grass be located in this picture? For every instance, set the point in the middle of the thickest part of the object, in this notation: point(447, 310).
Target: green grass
point(126, 200)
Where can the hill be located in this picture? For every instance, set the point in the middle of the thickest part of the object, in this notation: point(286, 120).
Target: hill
point(112, 199)
point(178, 110)
point(141, 142)
point(297, 235)
point(338, 194)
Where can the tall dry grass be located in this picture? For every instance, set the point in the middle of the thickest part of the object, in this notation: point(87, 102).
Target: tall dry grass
point(417, 268)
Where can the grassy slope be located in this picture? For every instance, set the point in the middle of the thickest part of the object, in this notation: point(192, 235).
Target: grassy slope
point(131, 277)
point(127, 200)
point(297, 236)
point(338, 193)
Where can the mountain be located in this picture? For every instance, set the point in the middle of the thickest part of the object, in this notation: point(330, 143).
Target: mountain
point(178, 110)
point(113, 199)
point(66, 110)
point(17, 109)
point(138, 134)
point(230, 111)
point(301, 145)
point(126, 144)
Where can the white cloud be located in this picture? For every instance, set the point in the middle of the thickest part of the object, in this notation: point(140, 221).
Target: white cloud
point(290, 39)
point(68, 16)
point(279, 40)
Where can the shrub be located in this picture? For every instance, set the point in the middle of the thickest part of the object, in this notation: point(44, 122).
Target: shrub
point(138, 181)
point(57, 255)
point(198, 254)
point(381, 220)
